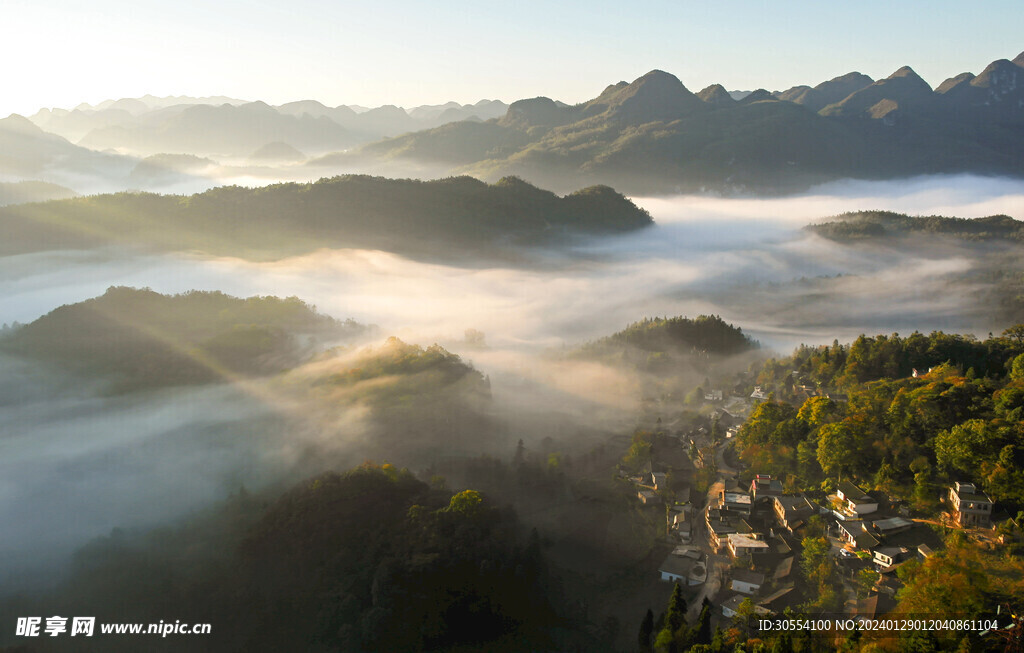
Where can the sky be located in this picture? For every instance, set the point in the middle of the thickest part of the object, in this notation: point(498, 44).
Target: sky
point(60, 53)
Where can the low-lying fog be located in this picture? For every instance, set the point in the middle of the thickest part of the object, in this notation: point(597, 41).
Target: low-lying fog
point(73, 464)
point(698, 258)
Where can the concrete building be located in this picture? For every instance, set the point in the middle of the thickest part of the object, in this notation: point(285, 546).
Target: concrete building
point(741, 545)
point(971, 507)
point(764, 486)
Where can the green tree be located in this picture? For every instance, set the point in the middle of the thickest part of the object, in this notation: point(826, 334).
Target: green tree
point(703, 634)
point(1017, 368)
point(675, 616)
point(835, 444)
point(865, 581)
point(675, 636)
point(963, 447)
point(1015, 333)
point(646, 631)
point(817, 411)
point(466, 502)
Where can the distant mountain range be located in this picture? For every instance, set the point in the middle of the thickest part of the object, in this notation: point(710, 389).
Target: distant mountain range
point(236, 128)
point(28, 153)
point(655, 136)
point(652, 135)
point(139, 143)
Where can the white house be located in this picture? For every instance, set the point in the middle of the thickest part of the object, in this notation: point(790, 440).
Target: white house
point(746, 581)
point(857, 500)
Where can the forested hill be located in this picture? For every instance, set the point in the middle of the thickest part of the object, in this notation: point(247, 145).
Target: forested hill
point(878, 225)
point(447, 218)
point(142, 339)
point(651, 340)
point(371, 559)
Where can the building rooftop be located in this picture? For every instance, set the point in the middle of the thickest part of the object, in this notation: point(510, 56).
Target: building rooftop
point(748, 576)
point(779, 598)
point(736, 497)
point(793, 502)
point(677, 565)
point(742, 540)
point(733, 602)
point(851, 526)
point(865, 541)
point(891, 524)
point(765, 483)
point(721, 529)
point(691, 552)
point(784, 569)
point(854, 493)
point(968, 492)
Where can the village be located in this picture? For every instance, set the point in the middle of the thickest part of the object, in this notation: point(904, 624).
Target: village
point(740, 543)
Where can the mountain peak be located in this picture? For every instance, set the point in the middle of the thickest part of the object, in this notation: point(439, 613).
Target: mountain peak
point(834, 90)
point(538, 111)
point(257, 106)
point(716, 95)
point(905, 72)
point(999, 72)
point(850, 78)
point(19, 123)
point(657, 76)
point(903, 90)
point(654, 97)
point(658, 82)
point(389, 110)
point(953, 82)
point(760, 95)
point(1019, 59)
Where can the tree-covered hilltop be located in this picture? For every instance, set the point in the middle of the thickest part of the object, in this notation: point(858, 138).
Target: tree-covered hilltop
point(414, 403)
point(904, 415)
point(139, 338)
point(653, 341)
point(880, 225)
point(989, 250)
point(370, 559)
point(397, 358)
point(375, 560)
point(453, 218)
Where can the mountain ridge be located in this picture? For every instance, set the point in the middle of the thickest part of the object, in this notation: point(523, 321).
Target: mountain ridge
point(653, 135)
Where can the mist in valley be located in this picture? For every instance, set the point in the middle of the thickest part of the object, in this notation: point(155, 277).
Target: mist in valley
point(79, 462)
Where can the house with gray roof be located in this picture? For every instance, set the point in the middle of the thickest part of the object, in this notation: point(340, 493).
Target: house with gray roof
point(793, 511)
point(746, 581)
point(857, 501)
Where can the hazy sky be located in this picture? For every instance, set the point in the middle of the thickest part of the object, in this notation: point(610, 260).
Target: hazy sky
point(61, 52)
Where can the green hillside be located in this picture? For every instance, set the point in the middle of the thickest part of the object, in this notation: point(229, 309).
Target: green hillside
point(459, 217)
point(141, 339)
